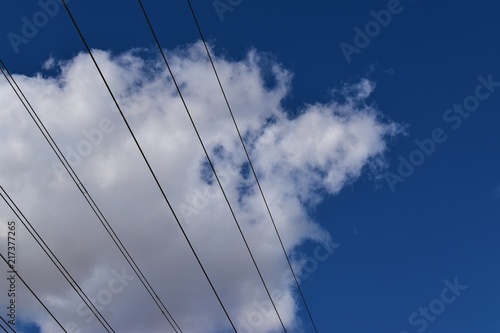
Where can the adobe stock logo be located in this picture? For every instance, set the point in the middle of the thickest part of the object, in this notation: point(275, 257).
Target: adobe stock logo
point(437, 306)
point(222, 7)
point(93, 138)
point(362, 39)
point(454, 117)
point(255, 317)
point(104, 297)
point(30, 27)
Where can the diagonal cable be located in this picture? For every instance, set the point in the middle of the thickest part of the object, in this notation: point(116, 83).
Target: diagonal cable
point(251, 164)
point(55, 260)
point(149, 166)
point(6, 323)
point(97, 211)
point(32, 292)
point(211, 164)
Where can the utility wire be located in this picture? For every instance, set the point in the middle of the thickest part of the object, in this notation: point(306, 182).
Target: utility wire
point(250, 163)
point(6, 323)
point(148, 165)
point(54, 259)
point(211, 164)
point(38, 299)
point(97, 211)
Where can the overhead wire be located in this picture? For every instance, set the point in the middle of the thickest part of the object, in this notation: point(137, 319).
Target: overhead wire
point(250, 162)
point(251, 165)
point(210, 163)
point(149, 166)
point(39, 240)
point(6, 323)
point(93, 205)
point(33, 293)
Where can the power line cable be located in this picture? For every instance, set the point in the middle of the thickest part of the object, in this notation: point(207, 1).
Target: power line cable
point(211, 164)
point(149, 166)
point(6, 323)
point(97, 211)
point(15, 209)
point(250, 163)
point(31, 290)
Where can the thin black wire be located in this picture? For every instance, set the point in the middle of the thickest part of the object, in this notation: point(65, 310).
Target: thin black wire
point(211, 164)
point(38, 299)
point(250, 162)
point(148, 165)
point(97, 211)
point(73, 283)
point(6, 323)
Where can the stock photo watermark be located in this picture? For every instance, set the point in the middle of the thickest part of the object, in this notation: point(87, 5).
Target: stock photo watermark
point(255, 318)
point(224, 6)
point(102, 299)
point(31, 26)
point(454, 118)
point(85, 147)
point(196, 200)
point(363, 37)
point(428, 314)
point(11, 275)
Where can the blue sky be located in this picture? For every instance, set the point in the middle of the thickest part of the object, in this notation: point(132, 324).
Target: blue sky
point(397, 244)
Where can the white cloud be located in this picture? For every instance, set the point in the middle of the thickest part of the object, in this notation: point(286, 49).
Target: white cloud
point(299, 160)
point(49, 63)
